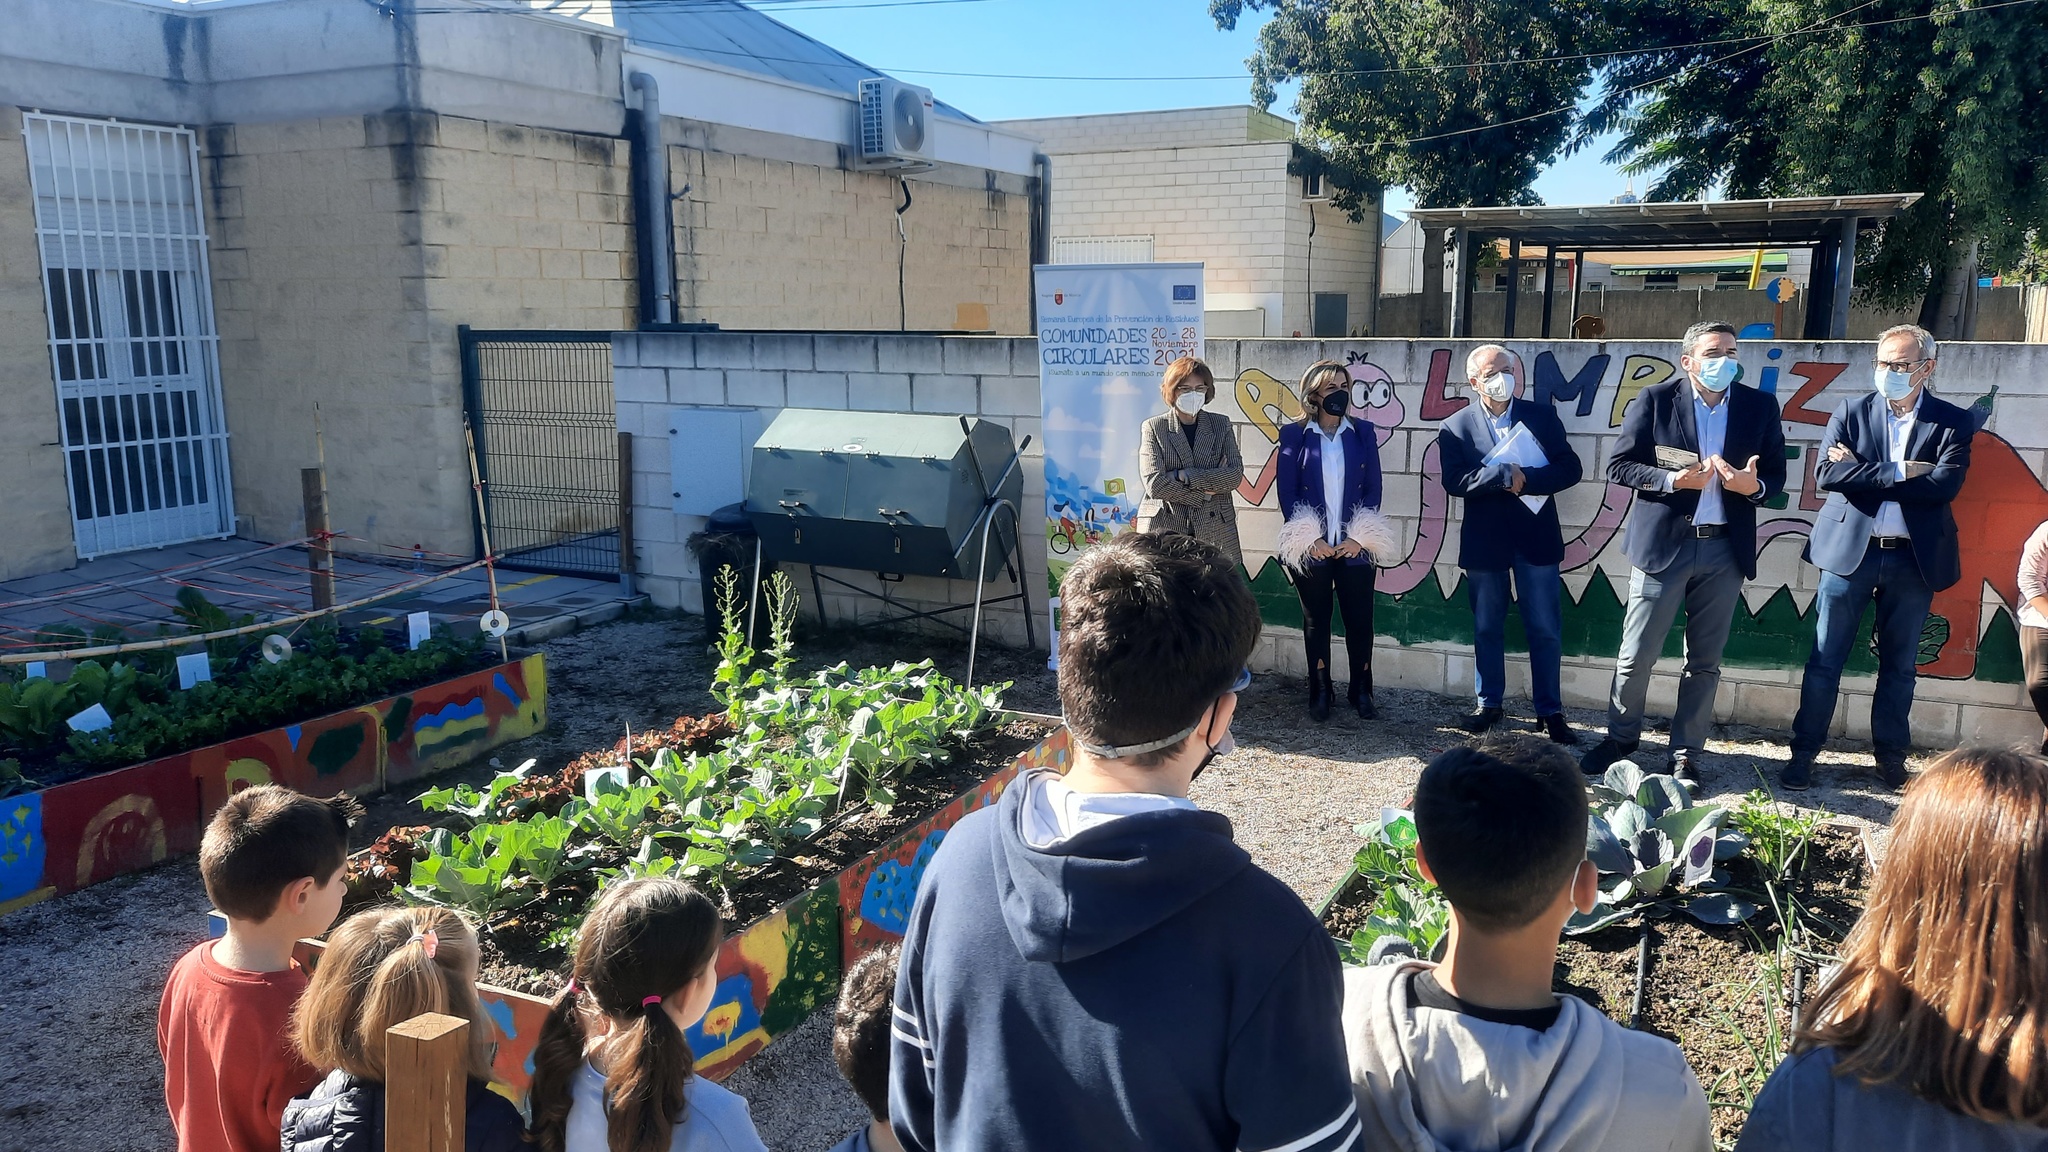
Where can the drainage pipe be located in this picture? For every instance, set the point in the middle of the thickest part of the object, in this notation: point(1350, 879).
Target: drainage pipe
point(1041, 226)
point(655, 240)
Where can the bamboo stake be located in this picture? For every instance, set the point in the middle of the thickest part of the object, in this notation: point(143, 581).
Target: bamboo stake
point(483, 519)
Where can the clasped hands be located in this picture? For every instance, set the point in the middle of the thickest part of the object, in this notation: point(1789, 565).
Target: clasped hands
point(1741, 481)
point(1324, 550)
point(1839, 453)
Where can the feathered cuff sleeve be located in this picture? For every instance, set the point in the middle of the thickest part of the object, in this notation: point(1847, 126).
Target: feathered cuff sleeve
point(1297, 536)
point(1378, 535)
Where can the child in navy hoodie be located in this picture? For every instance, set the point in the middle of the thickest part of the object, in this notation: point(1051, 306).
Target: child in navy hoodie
point(1092, 963)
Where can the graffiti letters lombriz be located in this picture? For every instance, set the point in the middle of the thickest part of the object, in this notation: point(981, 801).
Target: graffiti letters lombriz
point(2000, 503)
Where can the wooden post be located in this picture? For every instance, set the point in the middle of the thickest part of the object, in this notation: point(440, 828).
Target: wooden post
point(426, 1084)
point(1507, 327)
point(626, 512)
point(1432, 320)
point(320, 551)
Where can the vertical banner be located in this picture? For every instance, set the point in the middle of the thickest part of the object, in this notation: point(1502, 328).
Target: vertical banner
point(1106, 333)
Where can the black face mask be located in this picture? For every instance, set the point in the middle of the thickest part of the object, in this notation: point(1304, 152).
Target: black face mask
point(1336, 403)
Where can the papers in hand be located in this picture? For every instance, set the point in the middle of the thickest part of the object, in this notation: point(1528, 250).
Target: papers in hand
point(1669, 457)
point(1519, 447)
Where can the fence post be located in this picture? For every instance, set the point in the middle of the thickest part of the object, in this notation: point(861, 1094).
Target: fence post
point(626, 513)
point(320, 551)
point(426, 1084)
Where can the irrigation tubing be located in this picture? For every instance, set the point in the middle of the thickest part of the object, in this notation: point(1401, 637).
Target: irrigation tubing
point(1635, 1004)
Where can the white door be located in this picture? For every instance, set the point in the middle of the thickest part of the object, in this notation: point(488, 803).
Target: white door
point(132, 339)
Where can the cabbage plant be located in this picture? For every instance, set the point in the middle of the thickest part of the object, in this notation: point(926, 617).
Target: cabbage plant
point(1656, 852)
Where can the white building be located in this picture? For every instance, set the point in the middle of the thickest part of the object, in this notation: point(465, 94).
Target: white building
point(1212, 185)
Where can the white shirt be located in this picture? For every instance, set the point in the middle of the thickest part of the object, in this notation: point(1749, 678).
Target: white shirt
point(1499, 425)
point(2034, 577)
point(1055, 813)
point(1333, 482)
point(1898, 432)
point(1710, 421)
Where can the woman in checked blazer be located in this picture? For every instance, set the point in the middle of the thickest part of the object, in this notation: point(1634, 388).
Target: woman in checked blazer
point(1189, 462)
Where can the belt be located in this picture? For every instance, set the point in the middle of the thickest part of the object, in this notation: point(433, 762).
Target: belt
point(1708, 531)
point(1889, 543)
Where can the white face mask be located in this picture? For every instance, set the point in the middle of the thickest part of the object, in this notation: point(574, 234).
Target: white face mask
point(1894, 385)
point(1189, 402)
point(1497, 386)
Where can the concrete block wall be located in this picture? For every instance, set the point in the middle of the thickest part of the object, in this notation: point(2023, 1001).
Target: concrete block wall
point(346, 251)
point(1170, 128)
point(779, 243)
point(661, 377)
point(35, 522)
point(1968, 689)
point(1647, 315)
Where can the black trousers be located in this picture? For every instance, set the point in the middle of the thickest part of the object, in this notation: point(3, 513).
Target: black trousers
point(1350, 586)
point(2034, 655)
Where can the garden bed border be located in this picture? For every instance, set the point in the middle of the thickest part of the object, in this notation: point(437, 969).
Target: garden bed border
point(78, 833)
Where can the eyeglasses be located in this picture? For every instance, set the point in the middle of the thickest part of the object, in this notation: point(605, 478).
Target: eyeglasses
point(1898, 365)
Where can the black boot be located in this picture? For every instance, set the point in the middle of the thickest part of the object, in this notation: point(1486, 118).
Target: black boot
point(1360, 698)
point(1320, 690)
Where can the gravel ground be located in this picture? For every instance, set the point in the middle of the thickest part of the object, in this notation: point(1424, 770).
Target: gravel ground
point(79, 1025)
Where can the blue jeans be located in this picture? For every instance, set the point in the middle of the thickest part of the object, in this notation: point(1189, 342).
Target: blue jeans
point(1536, 591)
point(1893, 577)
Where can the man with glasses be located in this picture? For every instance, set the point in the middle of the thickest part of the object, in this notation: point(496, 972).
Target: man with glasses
point(1692, 533)
point(1895, 459)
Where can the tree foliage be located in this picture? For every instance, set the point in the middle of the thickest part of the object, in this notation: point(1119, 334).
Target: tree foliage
point(1744, 98)
point(1883, 96)
point(1406, 91)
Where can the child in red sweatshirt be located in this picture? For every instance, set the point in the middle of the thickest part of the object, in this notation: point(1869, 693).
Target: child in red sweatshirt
point(273, 861)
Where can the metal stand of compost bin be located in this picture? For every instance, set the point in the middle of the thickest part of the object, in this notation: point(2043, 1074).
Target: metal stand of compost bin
point(985, 523)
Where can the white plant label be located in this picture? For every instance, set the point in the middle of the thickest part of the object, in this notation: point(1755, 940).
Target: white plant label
point(193, 667)
point(419, 626)
point(93, 719)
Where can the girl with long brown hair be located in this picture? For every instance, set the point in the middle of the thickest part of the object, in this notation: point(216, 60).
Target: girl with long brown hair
point(612, 1070)
point(1933, 1034)
point(381, 968)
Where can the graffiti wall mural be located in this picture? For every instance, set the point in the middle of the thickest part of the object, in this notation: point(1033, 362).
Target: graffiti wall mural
point(1407, 387)
point(82, 832)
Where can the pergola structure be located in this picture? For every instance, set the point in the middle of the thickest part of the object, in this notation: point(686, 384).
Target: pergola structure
point(1827, 224)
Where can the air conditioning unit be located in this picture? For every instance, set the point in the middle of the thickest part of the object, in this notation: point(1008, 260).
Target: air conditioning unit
point(895, 124)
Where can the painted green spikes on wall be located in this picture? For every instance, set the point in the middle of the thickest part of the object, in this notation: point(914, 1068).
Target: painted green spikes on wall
point(1776, 635)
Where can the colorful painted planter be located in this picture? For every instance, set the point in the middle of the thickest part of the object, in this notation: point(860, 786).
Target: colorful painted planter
point(778, 970)
point(79, 833)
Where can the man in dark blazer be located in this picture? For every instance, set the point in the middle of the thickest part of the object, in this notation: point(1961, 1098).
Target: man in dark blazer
point(1895, 460)
point(1701, 451)
point(1503, 538)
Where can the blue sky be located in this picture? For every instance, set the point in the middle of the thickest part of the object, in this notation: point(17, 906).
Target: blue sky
point(1162, 41)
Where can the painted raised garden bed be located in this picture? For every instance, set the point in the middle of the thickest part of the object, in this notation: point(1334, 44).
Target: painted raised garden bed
point(1713, 950)
point(80, 832)
point(778, 970)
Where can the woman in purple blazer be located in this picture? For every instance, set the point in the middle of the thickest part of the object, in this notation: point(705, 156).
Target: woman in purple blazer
point(1329, 480)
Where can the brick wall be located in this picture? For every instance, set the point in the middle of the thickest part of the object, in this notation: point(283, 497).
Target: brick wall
point(345, 253)
point(35, 519)
point(777, 243)
point(1969, 688)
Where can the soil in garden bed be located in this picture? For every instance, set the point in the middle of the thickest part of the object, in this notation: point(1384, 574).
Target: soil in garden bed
point(516, 951)
point(1704, 990)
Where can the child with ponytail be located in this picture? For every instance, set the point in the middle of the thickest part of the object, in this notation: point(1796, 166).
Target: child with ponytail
point(612, 1071)
point(381, 968)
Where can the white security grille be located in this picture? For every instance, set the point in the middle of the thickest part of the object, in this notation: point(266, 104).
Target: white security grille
point(132, 340)
point(1102, 250)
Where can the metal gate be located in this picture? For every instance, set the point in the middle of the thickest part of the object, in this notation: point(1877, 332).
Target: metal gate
point(132, 342)
point(541, 409)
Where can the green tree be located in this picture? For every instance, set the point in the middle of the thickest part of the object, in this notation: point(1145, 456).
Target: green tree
point(1812, 99)
point(1410, 92)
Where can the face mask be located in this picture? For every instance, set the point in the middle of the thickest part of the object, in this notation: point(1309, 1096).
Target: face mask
point(1894, 385)
point(1716, 375)
point(1497, 386)
point(1336, 403)
point(1189, 402)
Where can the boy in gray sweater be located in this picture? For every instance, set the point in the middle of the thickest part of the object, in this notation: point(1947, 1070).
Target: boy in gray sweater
point(1477, 1053)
